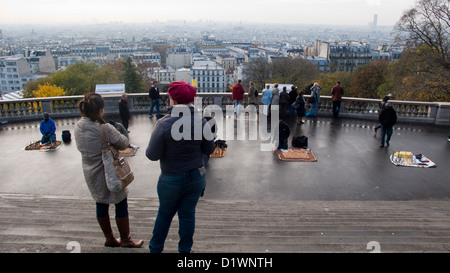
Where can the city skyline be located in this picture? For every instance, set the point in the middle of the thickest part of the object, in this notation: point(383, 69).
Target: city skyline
point(327, 12)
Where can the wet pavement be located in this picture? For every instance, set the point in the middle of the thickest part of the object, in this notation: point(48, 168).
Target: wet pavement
point(350, 165)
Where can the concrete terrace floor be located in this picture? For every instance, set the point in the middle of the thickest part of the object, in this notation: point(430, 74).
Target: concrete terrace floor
point(253, 203)
point(350, 166)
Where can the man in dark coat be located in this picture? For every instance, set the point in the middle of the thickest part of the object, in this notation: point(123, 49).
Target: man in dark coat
point(154, 99)
point(336, 93)
point(387, 118)
point(123, 110)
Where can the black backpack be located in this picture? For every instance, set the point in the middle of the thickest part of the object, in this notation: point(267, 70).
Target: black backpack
point(300, 142)
point(66, 136)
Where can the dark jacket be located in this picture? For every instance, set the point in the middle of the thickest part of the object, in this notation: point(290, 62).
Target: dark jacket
point(123, 110)
point(179, 156)
point(337, 92)
point(301, 110)
point(292, 96)
point(284, 98)
point(388, 117)
point(154, 93)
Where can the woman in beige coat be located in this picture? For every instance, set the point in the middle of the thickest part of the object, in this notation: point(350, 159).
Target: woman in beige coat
point(87, 137)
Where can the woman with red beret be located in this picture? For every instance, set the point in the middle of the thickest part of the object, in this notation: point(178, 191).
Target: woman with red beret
point(180, 151)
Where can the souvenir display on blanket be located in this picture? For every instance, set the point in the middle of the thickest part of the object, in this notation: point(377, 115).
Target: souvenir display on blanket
point(408, 159)
point(296, 154)
point(37, 146)
point(130, 150)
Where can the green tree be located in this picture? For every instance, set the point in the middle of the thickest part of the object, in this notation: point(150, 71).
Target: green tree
point(134, 82)
point(417, 77)
point(367, 79)
point(328, 80)
point(77, 79)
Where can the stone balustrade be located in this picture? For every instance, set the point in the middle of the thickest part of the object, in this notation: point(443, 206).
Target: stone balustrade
point(436, 113)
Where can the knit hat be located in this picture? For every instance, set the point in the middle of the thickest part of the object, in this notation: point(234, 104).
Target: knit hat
point(182, 92)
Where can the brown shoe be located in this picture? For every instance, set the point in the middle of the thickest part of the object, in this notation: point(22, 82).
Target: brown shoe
point(123, 224)
point(105, 225)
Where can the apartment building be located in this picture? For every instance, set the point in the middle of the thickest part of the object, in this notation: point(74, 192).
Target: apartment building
point(16, 71)
point(210, 77)
point(339, 56)
point(179, 58)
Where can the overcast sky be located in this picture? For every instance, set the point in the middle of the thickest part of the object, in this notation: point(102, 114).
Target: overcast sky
point(334, 12)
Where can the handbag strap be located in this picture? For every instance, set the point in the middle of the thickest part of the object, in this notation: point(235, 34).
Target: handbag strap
point(104, 137)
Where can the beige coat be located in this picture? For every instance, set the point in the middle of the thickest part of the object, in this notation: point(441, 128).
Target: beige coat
point(87, 137)
point(251, 94)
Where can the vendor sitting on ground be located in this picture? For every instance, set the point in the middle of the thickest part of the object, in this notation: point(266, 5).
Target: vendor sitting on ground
point(48, 129)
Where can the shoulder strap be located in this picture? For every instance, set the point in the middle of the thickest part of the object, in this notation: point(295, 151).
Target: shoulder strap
point(104, 138)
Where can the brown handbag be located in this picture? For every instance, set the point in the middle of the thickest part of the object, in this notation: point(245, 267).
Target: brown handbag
point(118, 172)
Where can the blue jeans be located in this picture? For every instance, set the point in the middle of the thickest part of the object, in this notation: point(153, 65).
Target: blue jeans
point(313, 110)
point(154, 103)
point(51, 139)
point(177, 193)
point(237, 106)
point(386, 130)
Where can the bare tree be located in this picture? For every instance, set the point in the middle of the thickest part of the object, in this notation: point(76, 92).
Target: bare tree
point(427, 23)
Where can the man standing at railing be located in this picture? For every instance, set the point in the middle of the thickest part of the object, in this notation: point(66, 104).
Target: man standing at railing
point(237, 95)
point(336, 94)
point(154, 99)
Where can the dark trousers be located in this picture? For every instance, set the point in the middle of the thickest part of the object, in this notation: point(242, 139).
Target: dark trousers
point(121, 209)
point(336, 108)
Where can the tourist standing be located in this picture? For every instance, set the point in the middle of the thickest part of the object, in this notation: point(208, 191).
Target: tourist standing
point(183, 175)
point(292, 97)
point(301, 109)
point(266, 99)
point(387, 118)
point(382, 107)
point(124, 111)
point(87, 136)
point(336, 95)
point(154, 99)
point(252, 93)
point(284, 103)
point(314, 100)
point(237, 94)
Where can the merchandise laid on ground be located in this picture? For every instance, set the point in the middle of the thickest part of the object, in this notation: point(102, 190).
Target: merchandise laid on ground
point(408, 159)
point(37, 146)
point(296, 154)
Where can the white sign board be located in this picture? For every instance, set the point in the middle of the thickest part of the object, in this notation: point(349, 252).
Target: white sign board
point(110, 88)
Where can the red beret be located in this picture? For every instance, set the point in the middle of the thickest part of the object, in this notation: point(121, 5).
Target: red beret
point(182, 92)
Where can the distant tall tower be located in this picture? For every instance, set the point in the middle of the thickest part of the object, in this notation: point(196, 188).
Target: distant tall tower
point(375, 21)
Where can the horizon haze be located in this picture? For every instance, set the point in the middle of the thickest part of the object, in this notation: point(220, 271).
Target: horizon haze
point(312, 12)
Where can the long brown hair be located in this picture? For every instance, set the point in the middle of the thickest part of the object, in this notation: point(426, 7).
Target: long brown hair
point(91, 105)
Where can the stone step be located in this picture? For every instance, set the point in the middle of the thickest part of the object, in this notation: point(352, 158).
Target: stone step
point(33, 223)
